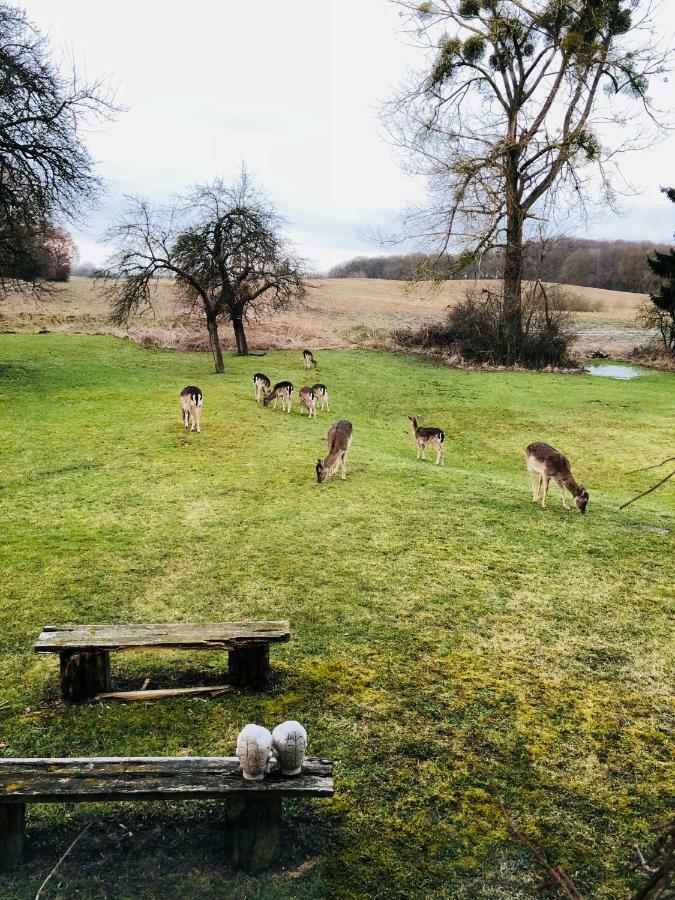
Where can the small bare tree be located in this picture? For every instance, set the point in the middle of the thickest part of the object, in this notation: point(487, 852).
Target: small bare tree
point(224, 247)
point(506, 118)
point(46, 172)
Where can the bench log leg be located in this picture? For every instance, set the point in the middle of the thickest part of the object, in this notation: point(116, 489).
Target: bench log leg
point(84, 674)
point(257, 834)
point(250, 665)
point(12, 820)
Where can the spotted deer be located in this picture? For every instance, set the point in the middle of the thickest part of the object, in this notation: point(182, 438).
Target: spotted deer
point(308, 401)
point(191, 406)
point(283, 391)
point(339, 442)
point(545, 464)
point(432, 437)
point(322, 393)
point(308, 357)
point(261, 385)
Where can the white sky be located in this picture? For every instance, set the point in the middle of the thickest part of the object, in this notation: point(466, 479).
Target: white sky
point(290, 88)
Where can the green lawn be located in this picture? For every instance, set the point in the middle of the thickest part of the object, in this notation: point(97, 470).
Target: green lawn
point(449, 638)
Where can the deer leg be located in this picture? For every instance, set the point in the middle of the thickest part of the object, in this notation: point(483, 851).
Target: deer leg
point(439, 455)
point(544, 490)
point(199, 413)
point(344, 466)
point(562, 496)
point(534, 484)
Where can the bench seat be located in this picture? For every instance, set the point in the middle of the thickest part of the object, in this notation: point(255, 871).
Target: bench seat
point(255, 809)
point(84, 650)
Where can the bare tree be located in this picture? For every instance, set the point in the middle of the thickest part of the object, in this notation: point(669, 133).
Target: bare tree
point(46, 173)
point(506, 120)
point(224, 247)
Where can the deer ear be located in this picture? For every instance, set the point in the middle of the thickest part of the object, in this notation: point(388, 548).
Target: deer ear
point(318, 462)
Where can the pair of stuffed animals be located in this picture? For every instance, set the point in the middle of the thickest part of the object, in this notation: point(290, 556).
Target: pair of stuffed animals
point(259, 751)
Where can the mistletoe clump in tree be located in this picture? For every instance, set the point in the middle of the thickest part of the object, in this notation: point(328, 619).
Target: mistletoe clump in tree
point(223, 246)
point(663, 311)
point(505, 120)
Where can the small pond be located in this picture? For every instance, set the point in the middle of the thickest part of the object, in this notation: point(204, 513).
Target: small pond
point(616, 370)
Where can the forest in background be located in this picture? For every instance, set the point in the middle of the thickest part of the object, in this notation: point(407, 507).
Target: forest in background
point(612, 265)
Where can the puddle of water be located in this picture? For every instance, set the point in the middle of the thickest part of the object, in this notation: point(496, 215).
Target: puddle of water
point(622, 372)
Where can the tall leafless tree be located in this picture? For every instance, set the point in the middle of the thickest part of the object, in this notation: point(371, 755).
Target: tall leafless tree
point(506, 119)
point(224, 247)
point(46, 172)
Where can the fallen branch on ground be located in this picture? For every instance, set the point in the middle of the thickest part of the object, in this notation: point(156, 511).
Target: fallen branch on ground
point(653, 488)
point(44, 883)
point(163, 693)
point(566, 884)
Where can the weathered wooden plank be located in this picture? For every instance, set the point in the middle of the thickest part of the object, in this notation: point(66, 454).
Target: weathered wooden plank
point(150, 778)
point(162, 693)
point(210, 636)
point(12, 822)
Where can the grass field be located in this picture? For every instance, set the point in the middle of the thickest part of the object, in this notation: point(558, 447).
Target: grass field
point(339, 313)
point(450, 639)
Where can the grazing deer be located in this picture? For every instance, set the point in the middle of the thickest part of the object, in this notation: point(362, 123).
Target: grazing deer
point(433, 437)
point(261, 385)
point(339, 442)
point(544, 464)
point(191, 406)
point(308, 357)
point(308, 401)
point(322, 393)
point(282, 390)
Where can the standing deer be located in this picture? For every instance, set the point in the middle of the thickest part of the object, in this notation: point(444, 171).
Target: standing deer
point(339, 442)
point(308, 401)
point(322, 393)
point(191, 406)
point(544, 464)
point(433, 437)
point(282, 390)
point(308, 357)
point(261, 385)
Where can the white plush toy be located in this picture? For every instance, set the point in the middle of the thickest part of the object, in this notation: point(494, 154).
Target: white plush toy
point(254, 749)
point(290, 742)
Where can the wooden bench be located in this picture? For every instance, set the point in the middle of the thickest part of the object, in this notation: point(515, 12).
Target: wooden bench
point(85, 650)
point(253, 808)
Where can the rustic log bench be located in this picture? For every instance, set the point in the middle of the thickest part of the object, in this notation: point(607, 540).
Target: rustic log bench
point(85, 649)
point(253, 808)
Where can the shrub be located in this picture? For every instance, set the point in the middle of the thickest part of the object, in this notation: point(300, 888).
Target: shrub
point(660, 320)
point(475, 330)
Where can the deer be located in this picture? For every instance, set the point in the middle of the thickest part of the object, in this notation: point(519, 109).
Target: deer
point(433, 437)
point(308, 357)
point(545, 464)
point(191, 406)
point(339, 442)
point(283, 390)
point(308, 401)
point(322, 393)
point(261, 385)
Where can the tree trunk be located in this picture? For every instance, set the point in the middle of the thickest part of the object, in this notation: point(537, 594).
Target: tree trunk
point(212, 326)
point(513, 272)
point(240, 334)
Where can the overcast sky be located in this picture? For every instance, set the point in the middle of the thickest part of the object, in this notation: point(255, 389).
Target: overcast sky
point(289, 87)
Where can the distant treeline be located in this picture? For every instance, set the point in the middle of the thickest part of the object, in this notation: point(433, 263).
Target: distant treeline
point(614, 265)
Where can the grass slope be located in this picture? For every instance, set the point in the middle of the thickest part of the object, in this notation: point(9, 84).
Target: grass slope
point(448, 636)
